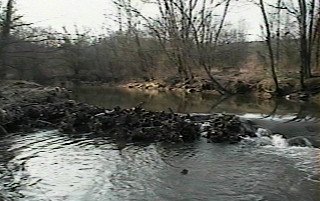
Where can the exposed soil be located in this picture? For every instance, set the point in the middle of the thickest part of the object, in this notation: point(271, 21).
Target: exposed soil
point(236, 83)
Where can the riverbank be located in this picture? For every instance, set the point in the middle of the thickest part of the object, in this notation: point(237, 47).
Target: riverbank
point(27, 107)
point(259, 87)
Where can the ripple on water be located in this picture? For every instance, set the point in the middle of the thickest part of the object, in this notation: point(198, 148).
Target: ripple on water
point(305, 159)
point(53, 166)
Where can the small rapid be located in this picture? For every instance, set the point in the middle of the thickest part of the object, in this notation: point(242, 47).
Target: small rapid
point(298, 149)
point(266, 138)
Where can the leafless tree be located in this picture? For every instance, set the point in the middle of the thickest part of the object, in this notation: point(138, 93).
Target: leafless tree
point(268, 39)
point(306, 14)
point(189, 34)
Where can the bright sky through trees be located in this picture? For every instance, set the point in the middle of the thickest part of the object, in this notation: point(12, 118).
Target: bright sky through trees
point(91, 14)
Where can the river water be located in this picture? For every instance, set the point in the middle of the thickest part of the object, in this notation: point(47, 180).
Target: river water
point(48, 165)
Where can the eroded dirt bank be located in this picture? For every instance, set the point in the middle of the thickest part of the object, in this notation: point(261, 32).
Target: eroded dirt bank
point(262, 88)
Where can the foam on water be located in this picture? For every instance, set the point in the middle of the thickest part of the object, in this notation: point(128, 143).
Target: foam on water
point(274, 117)
point(266, 138)
point(305, 157)
point(278, 141)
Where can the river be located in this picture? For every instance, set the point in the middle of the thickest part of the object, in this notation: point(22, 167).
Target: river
point(49, 165)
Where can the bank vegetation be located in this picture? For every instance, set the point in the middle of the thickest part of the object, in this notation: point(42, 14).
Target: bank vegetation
point(186, 42)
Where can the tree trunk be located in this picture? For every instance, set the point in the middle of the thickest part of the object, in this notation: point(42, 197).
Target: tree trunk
point(5, 36)
point(269, 45)
point(304, 53)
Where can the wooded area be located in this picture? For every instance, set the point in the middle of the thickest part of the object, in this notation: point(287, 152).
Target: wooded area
point(186, 39)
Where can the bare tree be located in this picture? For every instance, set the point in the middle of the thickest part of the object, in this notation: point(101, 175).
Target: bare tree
point(10, 27)
point(316, 37)
point(189, 33)
point(6, 26)
point(207, 41)
point(269, 44)
point(306, 13)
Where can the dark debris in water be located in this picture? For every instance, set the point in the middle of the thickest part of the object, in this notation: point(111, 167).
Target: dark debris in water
point(227, 128)
point(184, 172)
point(131, 125)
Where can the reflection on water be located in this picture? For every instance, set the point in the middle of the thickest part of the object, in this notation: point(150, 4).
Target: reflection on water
point(200, 103)
point(52, 166)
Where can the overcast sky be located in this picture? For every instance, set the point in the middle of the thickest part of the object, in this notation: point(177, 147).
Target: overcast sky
point(91, 14)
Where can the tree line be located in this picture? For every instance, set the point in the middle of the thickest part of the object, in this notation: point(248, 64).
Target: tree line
point(185, 39)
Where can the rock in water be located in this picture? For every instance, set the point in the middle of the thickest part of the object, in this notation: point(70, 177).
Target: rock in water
point(299, 141)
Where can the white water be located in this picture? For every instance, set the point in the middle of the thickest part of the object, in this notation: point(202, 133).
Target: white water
point(266, 138)
point(278, 141)
point(305, 157)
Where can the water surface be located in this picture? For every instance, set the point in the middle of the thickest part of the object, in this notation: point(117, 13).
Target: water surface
point(52, 166)
point(197, 102)
point(49, 165)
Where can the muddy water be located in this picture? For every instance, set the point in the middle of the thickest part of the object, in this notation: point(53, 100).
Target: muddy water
point(199, 103)
point(49, 165)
